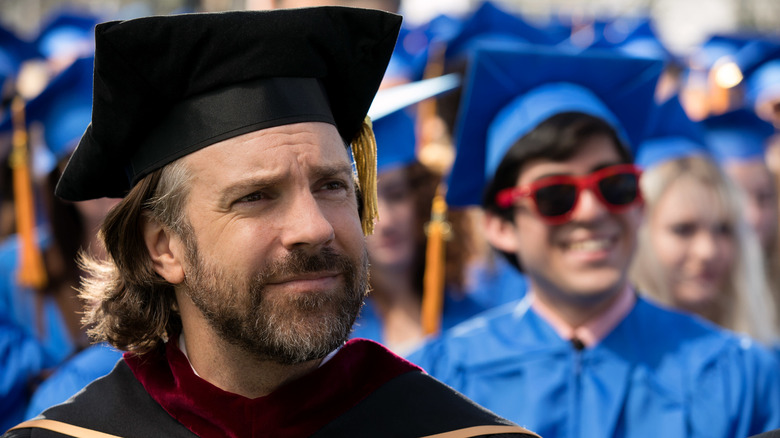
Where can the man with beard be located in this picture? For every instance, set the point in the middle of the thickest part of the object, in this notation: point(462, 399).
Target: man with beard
point(237, 254)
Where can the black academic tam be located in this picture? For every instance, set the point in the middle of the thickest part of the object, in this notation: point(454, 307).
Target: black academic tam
point(167, 86)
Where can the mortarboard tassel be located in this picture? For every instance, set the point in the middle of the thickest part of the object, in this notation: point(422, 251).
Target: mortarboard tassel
point(438, 231)
point(364, 153)
point(31, 270)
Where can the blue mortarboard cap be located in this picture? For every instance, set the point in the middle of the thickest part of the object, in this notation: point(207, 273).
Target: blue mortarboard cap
point(7, 67)
point(399, 68)
point(672, 134)
point(394, 126)
point(67, 32)
point(584, 35)
point(64, 108)
point(716, 48)
point(646, 47)
point(510, 92)
point(14, 50)
point(755, 53)
point(395, 139)
point(737, 136)
point(555, 30)
point(413, 46)
point(491, 25)
point(633, 37)
point(764, 83)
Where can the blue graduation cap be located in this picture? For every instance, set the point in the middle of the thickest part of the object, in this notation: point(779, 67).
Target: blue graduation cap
point(764, 83)
point(67, 32)
point(396, 140)
point(672, 134)
point(755, 53)
point(632, 36)
point(394, 125)
point(414, 44)
point(737, 136)
point(64, 108)
point(717, 48)
point(647, 46)
point(743, 54)
point(491, 26)
point(509, 93)
point(14, 50)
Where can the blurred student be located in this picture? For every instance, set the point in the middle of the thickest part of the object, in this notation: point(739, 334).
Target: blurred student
point(51, 311)
point(696, 251)
point(738, 141)
point(397, 249)
point(582, 355)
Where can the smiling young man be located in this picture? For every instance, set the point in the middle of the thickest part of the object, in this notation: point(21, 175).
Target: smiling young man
point(237, 254)
point(582, 355)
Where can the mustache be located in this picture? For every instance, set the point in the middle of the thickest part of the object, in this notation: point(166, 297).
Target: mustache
point(300, 262)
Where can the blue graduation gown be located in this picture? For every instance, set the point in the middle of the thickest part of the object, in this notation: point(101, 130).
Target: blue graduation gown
point(24, 353)
point(496, 283)
point(21, 359)
point(658, 373)
point(73, 375)
point(456, 310)
point(18, 303)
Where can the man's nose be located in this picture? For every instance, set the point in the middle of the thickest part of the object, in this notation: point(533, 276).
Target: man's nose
point(305, 224)
point(589, 207)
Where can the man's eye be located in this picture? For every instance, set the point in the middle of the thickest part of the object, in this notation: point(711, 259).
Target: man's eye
point(335, 185)
point(252, 197)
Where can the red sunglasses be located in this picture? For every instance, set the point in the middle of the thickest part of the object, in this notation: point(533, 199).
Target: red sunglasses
point(555, 197)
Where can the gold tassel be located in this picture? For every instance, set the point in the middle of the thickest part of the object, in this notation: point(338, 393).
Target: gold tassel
point(31, 270)
point(364, 154)
point(438, 231)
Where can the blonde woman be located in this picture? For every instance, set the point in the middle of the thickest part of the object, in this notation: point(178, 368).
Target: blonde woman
point(697, 253)
point(738, 141)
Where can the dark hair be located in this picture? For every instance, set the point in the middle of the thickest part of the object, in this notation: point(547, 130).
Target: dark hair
point(67, 226)
point(129, 305)
point(558, 138)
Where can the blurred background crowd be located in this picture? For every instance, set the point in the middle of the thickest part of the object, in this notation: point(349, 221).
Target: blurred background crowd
point(709, 182)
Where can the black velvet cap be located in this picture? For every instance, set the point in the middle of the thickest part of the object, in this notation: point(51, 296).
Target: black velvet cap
point(167, 86)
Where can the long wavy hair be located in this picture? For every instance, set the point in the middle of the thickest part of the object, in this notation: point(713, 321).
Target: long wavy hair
point(127, 303)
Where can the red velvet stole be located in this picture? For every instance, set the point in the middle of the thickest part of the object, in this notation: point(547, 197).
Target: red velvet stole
point(297, 409)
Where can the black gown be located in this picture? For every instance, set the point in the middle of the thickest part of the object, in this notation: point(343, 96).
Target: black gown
point(408, 403)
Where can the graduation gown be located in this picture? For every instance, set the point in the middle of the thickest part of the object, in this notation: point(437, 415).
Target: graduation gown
point(22, 358)
point(31, 339)
point(73, 375)
point(369, 324)
point(362, 391)
point(18, 303)
point(658, 373)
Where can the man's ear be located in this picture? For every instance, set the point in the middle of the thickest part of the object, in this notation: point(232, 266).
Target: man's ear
point(500, 233)
point(165, 250)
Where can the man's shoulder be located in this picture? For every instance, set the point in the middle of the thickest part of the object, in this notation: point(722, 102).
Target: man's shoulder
point(669, 328)
point(415, 404)
point(116, 404)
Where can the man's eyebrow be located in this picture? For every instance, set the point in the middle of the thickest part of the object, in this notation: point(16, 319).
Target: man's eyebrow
point(245, 186)
point(593, 169)
point(329, 171)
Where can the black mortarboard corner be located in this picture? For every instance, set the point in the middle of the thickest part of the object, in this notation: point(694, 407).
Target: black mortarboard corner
point(167, 86)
